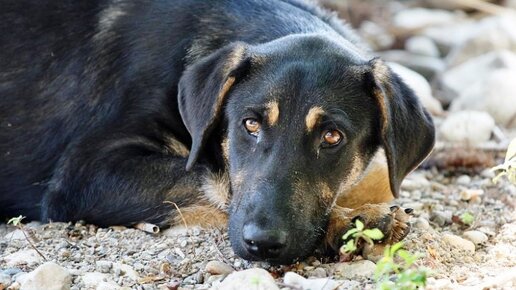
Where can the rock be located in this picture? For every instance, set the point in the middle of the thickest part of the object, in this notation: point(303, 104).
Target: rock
point(376, 35)
point(25, 257)
point(318, 273)
point(422, 45)
point(15, 235)
point(449, 36)
point(459, 243)
point(92, 279)
point(254, 278)
point(299, 282)
point(421, 223)
point(5, 280)
point(473, 195)
point(494, 95)
point(108, 286)
point(427, 66)
point(104, 266)
point(464, 180)
point(476, 237)
point(420, 86)
point(48, 276)
point(126, 270)
point(468, 127)
point(490, 34)
point(217, 268)
point(415, 181)
point(459, 79)
point(354, 270)
point(419, 18)
point(441, 218)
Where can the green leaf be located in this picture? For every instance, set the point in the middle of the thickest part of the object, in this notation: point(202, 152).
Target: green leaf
point(349, 233)
point(15, 221)
point(374, 234)
point(359, 225)
point(467, 218)
point(511, 150)
point(350, 246)
point(394, 248)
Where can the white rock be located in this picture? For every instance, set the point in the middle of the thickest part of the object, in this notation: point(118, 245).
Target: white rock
point(255, 278)
point(107, 286)
point(469, 127)
point(458, 242)
point(493, 94)
point(449, 36)
point(15, 235)
point(422, 45)
point(476, 237)
point(421, 223)
point(376, 35)
point(217, 268)
point(490, 34)
point(353, 270)
point(299, 282)
point(418, 18)
point(92, 279)
point(415, 181)
point(463, 180)
point(474, 71)
point(28, 257)
point(5, 280)
point(126, 271)
point(420, 86)
point(427, 66)
point(48, 276)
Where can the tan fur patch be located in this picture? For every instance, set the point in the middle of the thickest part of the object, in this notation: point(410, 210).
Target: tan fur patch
point(354, 175)
point(313, 117)
point(225, 149)
point(222, 94)
point(176, 147)
point(272, 113)
point(216, 189)
point(201, 215)
point(326, 193)
point(234, 58)
point(373, 188)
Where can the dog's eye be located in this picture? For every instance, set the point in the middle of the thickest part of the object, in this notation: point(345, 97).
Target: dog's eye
point(252, 126)
point(331, 138)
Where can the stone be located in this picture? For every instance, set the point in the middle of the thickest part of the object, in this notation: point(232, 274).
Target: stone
point(15, 235)
point(104, 266)
point(48, 276)
point(422, 45)
point(25, 257)
point(354, 270)
point(420, 86)
point(459, 79)
point(427, 66)
point(459, 243)
point(218, 268)
point(490, 34)
point(494, 95)
point(450, 36)
point(477, 237)
point(376, 35)
point(108, 286)
point(421, 223)
point(463, 180)
point(126, 270)
point(254, 278)
point(441, 218)
point(415, 181)
point(92, 279)
point(419, 18)
point(299, 282)
point(5, 280)
point(467, 127)
point(318, 273)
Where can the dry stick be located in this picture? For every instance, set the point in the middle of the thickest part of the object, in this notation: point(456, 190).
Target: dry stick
point(31, 244)
point(184, 222)
point(484, 6)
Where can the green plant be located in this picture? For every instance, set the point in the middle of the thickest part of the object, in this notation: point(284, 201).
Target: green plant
point(508, 168)
point(467, 218)
point(359, 233)
point(396, 270)
point(17, 222)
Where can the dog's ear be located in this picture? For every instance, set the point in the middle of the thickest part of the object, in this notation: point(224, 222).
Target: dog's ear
point(407, 131)
point(202, 91)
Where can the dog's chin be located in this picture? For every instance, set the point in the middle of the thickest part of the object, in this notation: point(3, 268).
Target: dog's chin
point(295, 252)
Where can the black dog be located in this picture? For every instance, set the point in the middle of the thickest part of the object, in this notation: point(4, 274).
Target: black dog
point(114, 112)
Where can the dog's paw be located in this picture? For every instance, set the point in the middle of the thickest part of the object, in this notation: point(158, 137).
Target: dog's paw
point(392, 221)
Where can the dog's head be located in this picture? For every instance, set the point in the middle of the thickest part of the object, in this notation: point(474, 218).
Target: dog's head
point(299, 119)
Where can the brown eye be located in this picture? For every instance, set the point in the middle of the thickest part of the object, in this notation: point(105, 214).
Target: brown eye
point(331, 138)
point(252, 126)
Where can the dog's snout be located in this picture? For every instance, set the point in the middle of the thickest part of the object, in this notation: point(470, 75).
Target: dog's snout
point(264, 243)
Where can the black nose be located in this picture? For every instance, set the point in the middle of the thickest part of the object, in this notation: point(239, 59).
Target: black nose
point(264, 243)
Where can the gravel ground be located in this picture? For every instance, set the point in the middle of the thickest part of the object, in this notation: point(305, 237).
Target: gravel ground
point(119, 257)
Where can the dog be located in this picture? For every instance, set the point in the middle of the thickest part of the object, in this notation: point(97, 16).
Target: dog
point(268, 116)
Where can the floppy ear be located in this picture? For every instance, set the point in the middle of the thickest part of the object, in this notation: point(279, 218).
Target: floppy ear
point(406, 129)
point(202, 91)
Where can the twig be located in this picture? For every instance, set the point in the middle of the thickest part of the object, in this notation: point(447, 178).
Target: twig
point(31, 244)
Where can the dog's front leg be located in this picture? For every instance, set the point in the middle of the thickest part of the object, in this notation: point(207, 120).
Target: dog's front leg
point(392, 221)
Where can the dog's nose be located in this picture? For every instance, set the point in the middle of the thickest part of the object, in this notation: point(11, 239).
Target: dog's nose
point(264, 243)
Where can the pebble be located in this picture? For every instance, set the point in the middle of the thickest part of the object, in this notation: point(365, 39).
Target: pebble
point(48, 276)
point(104, 266)
point(5, 280)
point(467, 127)
point(297, 281)
point(354, 270)
point(24, 257)
point(477, 237)
point(458, 242)
point(108, 286)
point(463, 180)
point(15, 235)
point(441, 218)
point(218, 268)
point(254, 278)
point(92, 279)
point(421, 223)
point(318, 273)
point(418, 18)
point(125, 270)
point(422, 45)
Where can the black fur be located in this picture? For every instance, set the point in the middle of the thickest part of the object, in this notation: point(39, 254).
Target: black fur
point(89, 97)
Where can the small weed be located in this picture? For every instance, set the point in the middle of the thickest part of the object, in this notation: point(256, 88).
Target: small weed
point(403, 275)
point(17, 222)
point(359, 233)
point(467, 218)
point(508, 168)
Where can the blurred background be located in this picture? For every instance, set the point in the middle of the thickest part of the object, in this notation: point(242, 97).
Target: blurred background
point(460, 58)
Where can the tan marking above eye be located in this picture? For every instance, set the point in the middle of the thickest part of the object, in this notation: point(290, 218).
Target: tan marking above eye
point(272, 113)
point(332, 137)
point(313, 117)
point(252, 126)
